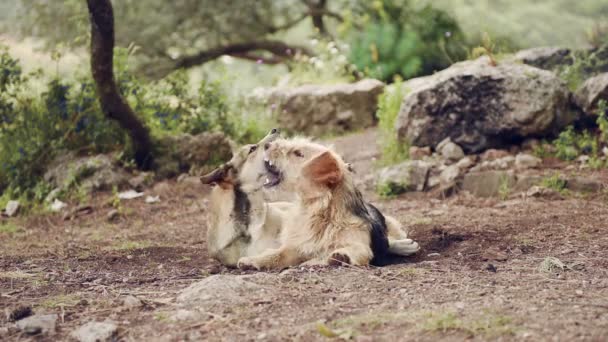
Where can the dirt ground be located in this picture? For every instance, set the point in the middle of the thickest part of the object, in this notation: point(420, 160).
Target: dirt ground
point(481, 274)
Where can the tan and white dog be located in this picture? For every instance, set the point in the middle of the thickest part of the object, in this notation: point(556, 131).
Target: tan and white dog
point(240, 222)
point(329, 223)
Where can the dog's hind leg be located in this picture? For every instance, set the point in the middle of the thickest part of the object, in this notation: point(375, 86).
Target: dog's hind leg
point(398, 242)
point(280, 258)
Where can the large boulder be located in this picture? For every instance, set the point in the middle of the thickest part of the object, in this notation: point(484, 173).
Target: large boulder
point(589, 94)
point(194, 154)
point(548, 58)
point(92, 173)
point(322, 109)
point(480, 106)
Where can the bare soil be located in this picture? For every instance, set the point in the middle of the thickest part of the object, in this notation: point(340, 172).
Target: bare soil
point(480, 274)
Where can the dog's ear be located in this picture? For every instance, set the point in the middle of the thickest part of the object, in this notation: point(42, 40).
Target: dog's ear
point(323, 169)
point(218, 176)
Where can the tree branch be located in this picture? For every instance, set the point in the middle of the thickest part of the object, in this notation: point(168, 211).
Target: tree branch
point(112, 103)
point(277, 48)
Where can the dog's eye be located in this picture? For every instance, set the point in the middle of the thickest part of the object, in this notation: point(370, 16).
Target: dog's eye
point(253, 148)
point(298, 153)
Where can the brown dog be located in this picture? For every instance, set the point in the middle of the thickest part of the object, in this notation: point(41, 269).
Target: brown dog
point(330, 222)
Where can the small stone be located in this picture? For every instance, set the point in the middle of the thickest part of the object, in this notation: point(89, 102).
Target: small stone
point(132, 302)
point(526, 161)
point(450, 150)
point(12, 208)
point(57, 205)
point(605, 151)
point(417, 153)
point(130, 194)
point(112, 215)
point(152, 199)
point(542, 192)
point(38, 324)
point(492, 254)
point(491, 268)
point(95, 332)
point(466, 163)
point(579, 292)
point(493, 154)
point(449, 175)
point(433, 255)
point(182, 315)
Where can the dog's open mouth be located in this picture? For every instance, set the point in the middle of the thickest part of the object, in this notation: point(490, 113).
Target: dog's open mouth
point(273, 174)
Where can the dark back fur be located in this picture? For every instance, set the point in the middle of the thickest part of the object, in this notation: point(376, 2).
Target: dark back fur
point(377, 225)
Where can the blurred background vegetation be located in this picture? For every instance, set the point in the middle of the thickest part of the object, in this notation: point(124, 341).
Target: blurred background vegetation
point(191, 66)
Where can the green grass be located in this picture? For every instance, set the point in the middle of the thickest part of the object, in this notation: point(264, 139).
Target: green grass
point(389, 104)
point(390, 189)
point(9, 228)
point(60, 301)
point(555, 182)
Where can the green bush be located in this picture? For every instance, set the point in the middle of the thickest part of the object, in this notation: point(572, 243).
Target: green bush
point(401, 39)
point(37, 125)
point(389, 103)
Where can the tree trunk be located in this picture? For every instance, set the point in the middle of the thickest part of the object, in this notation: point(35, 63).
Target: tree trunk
point(113, 104)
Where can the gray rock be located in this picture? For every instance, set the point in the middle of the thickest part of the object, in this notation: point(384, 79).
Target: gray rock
point(466, 163)
point(411, 175)
point(583, 184)
point(132, 302)
point(449, 150)
point(480, 106)
point(38, 324)
point(548, 58)
point(449, 175)
point(488, 183)
point(92, 173)
point(95, 332)
point(12, 208)
point(321, 109)
point(194, 154)
point(589, 94)
point(525, 161)
point(219, 291)
point(418, 153)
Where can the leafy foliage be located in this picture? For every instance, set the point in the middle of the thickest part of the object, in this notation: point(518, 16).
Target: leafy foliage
point(401, 39)
point(389, 103)
point(65, 115)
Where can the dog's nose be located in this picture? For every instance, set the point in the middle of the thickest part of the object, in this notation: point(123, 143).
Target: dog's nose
point(266, 146)
point(274, 131)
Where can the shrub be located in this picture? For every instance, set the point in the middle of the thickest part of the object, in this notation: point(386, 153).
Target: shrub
point(66, 115)
point(389, 103)
point(401, 39)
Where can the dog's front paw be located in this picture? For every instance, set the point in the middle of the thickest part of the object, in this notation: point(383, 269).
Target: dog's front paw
point(338, 259)
point(247, 264)
point(403, 247)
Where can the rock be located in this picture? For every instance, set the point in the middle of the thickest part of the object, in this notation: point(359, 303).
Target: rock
point(130, 194)
point(57, 205)
point(542, 192)
point(194, 154)
point(152, 199)
point(526, 181)
point(589, 94)
point(182, 315)
point(605, 151)
point(112, 215)
point(132, 302)
point(411, 175)
point(321, 109)
point(488, 183)
point(141, 181)
point(480, 106)
point(492, 254)
point(548, 58)
point(95, 332)
point(466, 163)
point(220, 291)
point(418, 153)
point(12, 208)
point(38, 324)
point(525, 161)
point(449, 150)
point(93, 173)
point(52, 195)
point(583, 184)
point(493, 154)
point(449, 175)
point(20, 312)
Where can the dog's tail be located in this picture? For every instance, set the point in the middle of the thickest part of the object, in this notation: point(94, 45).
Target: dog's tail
point(398, 242)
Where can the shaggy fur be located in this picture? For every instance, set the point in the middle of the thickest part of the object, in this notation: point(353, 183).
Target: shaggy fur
point(240, 222)
point(330, 222)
